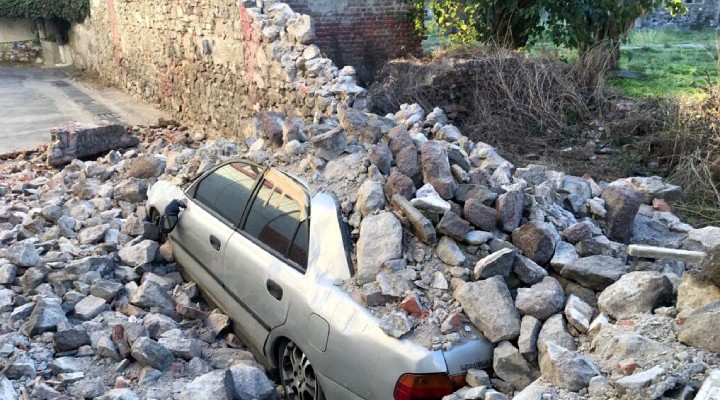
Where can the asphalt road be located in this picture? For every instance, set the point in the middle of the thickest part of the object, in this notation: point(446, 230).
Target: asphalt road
point(33, 100)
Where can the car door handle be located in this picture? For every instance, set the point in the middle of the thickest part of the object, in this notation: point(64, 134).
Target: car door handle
point(215, 242)
point(274, 289)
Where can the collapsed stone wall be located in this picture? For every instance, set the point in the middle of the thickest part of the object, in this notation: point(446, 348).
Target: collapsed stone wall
point(213, 63)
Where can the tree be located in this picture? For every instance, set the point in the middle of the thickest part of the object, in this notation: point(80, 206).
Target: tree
point(578, 24)
point(589, 23)
point(509, 23)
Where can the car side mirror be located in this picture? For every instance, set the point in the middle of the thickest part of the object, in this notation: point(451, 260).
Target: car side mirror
point(167, 223)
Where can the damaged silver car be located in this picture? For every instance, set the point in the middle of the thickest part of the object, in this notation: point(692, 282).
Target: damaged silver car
point(271, 257)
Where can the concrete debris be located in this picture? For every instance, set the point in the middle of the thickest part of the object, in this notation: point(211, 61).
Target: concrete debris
point(74, 140)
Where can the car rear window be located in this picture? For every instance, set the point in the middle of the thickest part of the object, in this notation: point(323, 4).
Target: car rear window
point(278, 218)
point(226, 190)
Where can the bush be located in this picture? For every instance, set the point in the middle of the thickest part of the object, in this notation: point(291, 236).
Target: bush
point(67, 10)
point(498, 96)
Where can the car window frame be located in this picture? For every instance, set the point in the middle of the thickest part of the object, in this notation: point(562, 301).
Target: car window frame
point(192, 191)
point(306, 205)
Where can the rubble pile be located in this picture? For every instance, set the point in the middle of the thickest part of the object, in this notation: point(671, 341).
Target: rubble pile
point(451, 242)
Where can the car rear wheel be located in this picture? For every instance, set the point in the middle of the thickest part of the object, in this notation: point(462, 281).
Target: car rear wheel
point(297, 375)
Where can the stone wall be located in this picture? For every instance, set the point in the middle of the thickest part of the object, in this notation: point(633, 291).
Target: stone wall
point(214, 63)
point(19, 41)
point(700, 14)
point(361, 33)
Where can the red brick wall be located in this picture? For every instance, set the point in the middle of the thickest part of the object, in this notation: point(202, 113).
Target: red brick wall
point(361, 33)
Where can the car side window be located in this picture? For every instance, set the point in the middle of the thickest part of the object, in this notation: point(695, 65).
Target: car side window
point(227, 190)
point(278, 218)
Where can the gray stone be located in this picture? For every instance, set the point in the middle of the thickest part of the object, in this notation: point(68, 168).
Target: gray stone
point(600, 387)
point(622, 205)
point(710, 388)
point(19, 366)
point(419, 224)
point(565, 254)
point(215, 385)
point(554, 330)
point(33, 277)
point(370, 197)
point(380, 241)
point(132, 190)
point(45, 317)
point(182, 347)
point(710, 267)
point(75, 140)
point(478, 237)
point(510, 208)
point(152, 353)
point(88, 388)
point(406, 153)
point(21, 312)
point(449, 252)
point(480, 215)
point(24, 254)
point(381, 157)
point(567, 369)
point(139, 254)
point(511, 367)
point(7, 392)
point(70, 339)
point(542, 300)
point(106, 348)
point(497, 263)
point(576, 190)
point(595, 272)
point(536, 240)
point(612, 345)
point(641, 379)
point(106, 289)
point(8, 272)
point(527, 342)
point(578, 313)
point(250, 383)
point(527, 270)
point(700, 328)
point(477, 378)
point(331, 144)
point(399, 184)
point(302, 29)
point(198, 366)
point(436, 168)
point(431, 203)
point(156, 325)
point(118, 394)
point(150, 294)
point(89, 307)
point(7, 299)
point(638, 292)
point(92, 235)
point(578, 232)
point(395, 324)
point(489, 306)
point(64, 364)
point(452, 225)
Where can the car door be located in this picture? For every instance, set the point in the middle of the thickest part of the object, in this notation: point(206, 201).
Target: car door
point(270, 252)
point(215, 206)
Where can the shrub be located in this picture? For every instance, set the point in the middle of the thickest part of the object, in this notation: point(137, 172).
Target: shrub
point(67, 10)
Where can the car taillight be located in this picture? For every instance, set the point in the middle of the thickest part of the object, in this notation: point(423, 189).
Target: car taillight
point(427, 386)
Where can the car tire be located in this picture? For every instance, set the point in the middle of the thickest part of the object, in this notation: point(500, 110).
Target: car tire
point(297, 375)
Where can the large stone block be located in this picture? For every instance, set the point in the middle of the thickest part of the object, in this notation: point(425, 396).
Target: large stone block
point(75, 140)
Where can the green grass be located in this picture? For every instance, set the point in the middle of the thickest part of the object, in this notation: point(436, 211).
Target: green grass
point(675, 63)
